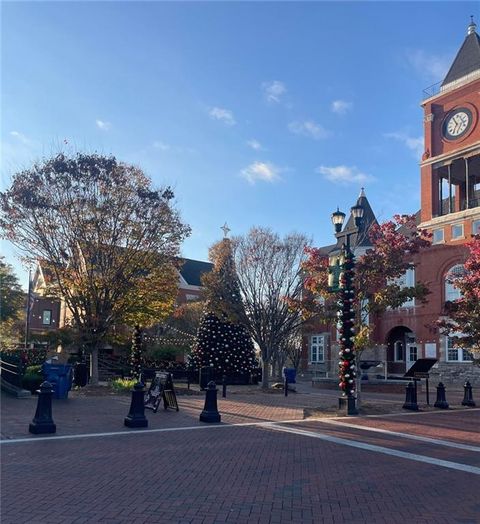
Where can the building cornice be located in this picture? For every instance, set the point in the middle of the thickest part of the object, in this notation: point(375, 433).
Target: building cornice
point(452, 86)
point(444, 159)
point(450, 217)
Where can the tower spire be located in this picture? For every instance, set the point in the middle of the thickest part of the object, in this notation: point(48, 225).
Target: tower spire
point(472, 26)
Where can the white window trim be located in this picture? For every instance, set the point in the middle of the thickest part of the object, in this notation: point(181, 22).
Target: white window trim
point(406, 280)
point(323, 337)
point(395, 351)
point(460, 351)
point(438, 241)
point(477, 223)
point(451, 292)
point(463, 231)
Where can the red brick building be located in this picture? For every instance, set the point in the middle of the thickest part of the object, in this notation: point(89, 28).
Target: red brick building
point(49, 314)
point(450, 210)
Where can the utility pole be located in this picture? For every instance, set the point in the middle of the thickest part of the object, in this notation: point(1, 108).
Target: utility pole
point(29, 300)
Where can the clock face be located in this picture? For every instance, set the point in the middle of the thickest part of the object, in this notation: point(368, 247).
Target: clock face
point(457, 123)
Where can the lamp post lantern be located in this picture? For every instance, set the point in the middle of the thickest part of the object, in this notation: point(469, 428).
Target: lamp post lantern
point(346, 313)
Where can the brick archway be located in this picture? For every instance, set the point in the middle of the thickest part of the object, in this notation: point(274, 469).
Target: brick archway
point(397, 341)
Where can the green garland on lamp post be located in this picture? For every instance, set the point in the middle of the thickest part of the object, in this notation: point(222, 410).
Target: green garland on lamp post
point(342, 273)
point(136, 354)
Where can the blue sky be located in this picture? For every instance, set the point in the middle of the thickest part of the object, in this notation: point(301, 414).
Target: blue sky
point(265, 114)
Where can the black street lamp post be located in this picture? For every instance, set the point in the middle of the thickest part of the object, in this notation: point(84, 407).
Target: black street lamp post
point(346, 313)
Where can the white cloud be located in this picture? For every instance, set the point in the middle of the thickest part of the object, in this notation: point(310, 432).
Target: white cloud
point(432, 67)
point(102, 124)
point(344, 175)
point(263, 171)
point(308, 128)
point(273, 91)
point(255, 144)
point(223, 115)
point(341, 106)
point(20, 137)
point(158, 144)
point(415, 144)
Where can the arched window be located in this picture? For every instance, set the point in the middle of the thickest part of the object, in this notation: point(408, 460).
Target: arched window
point(451, 292)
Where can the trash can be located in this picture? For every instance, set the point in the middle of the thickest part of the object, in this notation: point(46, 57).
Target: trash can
point(290, 374)
point(60, 376)
point(80, 374)
point(207, 374)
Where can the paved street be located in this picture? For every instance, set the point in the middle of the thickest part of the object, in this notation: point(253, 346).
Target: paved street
point(263, 464)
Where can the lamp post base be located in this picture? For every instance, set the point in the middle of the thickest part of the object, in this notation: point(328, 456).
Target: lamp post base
point(349, 404)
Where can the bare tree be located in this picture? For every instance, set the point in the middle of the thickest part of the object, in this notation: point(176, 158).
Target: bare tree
point(292, 348)
point(107, 236)
point(270, 275)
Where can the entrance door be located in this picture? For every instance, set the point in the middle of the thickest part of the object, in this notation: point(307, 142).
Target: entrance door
point(412, 355)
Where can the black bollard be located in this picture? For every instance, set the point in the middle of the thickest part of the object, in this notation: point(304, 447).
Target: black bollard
point(43, 422)
point(410, 397)
point(224, 386)
point(441, 401)
point(467, 397)
point(136, 416)
point(285, 386)
point(210, 412)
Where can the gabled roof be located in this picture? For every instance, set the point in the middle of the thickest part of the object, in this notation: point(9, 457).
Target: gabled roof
point(468, 58)
point(404, 230)
point(192, 270)
point(359, 237)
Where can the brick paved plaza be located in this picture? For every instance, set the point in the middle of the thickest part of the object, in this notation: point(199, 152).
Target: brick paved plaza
point(264, 463)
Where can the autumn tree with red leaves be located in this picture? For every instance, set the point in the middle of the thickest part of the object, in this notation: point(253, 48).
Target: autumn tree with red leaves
point(463, 324)
point(393, 247)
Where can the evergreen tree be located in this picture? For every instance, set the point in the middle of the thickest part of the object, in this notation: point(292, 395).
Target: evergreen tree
point(136, 353)
point(222, 342)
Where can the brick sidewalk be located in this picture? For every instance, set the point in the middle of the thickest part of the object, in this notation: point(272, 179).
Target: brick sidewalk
point(95, 414)
point(242, 475)
point(234, 474)
point(81, 414)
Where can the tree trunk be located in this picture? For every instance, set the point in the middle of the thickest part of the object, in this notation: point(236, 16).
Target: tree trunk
point(275, 369)
point(94, 366)
point(265, 371)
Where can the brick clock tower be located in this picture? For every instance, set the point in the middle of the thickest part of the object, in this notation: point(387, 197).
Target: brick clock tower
point(450, 168)
point(450, 201)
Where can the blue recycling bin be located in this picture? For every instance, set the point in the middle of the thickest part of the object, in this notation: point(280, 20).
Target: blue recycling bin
point(60, 376)
point(290, 374)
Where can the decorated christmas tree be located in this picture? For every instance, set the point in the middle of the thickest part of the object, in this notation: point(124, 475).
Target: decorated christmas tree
point(222, 342)
point(136, 353)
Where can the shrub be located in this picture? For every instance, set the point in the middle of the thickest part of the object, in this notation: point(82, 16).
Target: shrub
point(123, 385)
point(32, 379)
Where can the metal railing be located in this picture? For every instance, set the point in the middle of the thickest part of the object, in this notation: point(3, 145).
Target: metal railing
point(437, 88)
point(12, 372)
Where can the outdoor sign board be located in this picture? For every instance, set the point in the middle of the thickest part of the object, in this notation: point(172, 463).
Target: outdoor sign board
point(161, 388)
